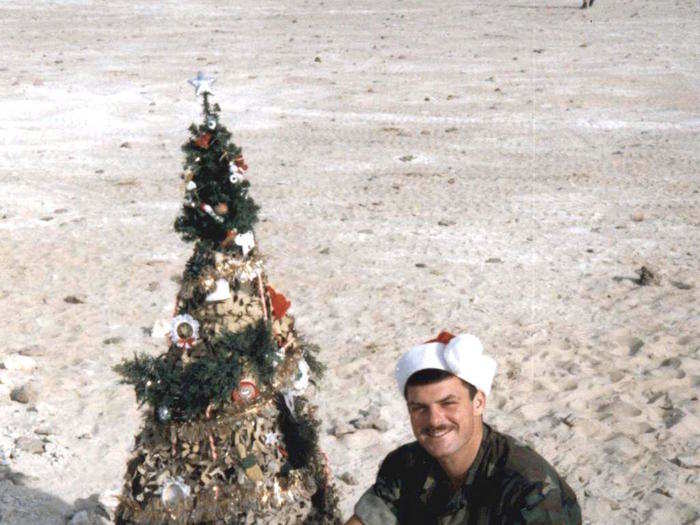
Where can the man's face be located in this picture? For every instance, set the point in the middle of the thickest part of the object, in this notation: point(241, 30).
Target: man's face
point(443, 418)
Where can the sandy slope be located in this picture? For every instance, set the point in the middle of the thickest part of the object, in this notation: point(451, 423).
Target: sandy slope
point(441, 165)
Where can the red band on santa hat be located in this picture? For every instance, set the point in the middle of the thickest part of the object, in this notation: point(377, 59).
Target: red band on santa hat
point(443, 338)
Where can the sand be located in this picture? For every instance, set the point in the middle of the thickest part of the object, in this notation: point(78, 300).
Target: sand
point(496, 168)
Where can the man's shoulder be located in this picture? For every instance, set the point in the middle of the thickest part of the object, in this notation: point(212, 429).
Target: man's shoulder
point(516, 459)
point(531, 482)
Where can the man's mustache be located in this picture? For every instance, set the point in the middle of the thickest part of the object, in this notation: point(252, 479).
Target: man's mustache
point(435, 430)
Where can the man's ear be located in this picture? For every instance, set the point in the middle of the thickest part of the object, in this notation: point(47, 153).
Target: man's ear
point(479, 403)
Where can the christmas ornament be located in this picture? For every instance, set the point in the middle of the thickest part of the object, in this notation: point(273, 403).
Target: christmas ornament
point(246, 241)
point(222, 292)
point(272, 438)
point(185, 331)
point(245, 393)
point(210, 211)
point(234, 179)
point(163, 414)
point(301, 380)
point(203, 141)
point(202, 83)
point(211, 123)
point(221, 208)
point(230, 238)
point(175, 492)
point(280, 304)
point(191, 186)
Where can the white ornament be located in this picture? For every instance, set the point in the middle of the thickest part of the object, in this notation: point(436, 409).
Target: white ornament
point(222, 292)
point(191, 186)
point(163, 414)
point(233, 178)
point(202, 83)
point(206, 208)
point(211, 123)
point(184, 331)
point(175, 492)
point(301, 381)
point(272, 438)
point(246, 241)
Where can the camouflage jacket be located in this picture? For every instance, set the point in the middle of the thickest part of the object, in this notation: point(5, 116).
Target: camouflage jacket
point(508, 483)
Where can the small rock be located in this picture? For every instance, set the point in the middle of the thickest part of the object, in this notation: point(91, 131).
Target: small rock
point(446, 223)
point(112, 340)
point(672, 417)
point(686, 461)
point(406, 158)
point(31, 351)
point(673, 362)
point(493, 260)
point(647, 276)
point(637, 216)
point(681, 285)
point(19, 363)
point(43, 430)
point(23, 394)
point(348, 478)
point(317, 60)
point(325, 251)
point(635, 346)
point(420, 265)
point(153, 286)
point(340, 429)
point(72, 299)
point(370, 418)
point(125, 145)
point(30, 444)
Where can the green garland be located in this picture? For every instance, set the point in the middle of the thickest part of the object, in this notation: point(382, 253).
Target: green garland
point(162, 381)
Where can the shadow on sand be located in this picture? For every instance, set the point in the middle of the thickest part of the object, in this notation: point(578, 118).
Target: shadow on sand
point(22, 505)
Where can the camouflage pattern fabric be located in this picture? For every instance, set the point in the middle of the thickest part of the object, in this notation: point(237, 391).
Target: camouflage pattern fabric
point(508, 483)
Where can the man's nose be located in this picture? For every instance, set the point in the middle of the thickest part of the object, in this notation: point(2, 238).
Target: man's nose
point(435, 417)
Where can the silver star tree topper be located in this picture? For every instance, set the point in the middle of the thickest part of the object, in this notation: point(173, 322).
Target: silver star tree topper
point(202, 83)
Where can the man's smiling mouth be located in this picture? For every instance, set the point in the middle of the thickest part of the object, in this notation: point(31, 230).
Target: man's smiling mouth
point(437, 433)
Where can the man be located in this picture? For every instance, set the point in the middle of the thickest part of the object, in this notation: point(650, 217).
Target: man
point(460, 470)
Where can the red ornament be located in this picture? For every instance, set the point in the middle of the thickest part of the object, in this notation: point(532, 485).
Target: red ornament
point(203, 140)
point(245, 393)
point(443, 338)
point(230, 238)
point(280, 304)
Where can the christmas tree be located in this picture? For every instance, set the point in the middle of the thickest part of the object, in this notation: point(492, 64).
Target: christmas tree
point(229, 435)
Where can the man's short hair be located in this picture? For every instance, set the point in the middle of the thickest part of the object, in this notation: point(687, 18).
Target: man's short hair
point(429, 376)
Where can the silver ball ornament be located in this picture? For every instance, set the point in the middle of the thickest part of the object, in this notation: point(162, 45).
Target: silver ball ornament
point(211, 123)
point(163, 414)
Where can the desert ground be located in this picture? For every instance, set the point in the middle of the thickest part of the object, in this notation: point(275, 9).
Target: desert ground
point(498, 168)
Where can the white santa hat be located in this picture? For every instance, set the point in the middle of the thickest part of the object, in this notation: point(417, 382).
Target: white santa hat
point(462, 355)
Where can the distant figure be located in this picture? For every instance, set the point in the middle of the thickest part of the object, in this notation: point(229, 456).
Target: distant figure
point(460, 471)
point(587, 3)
